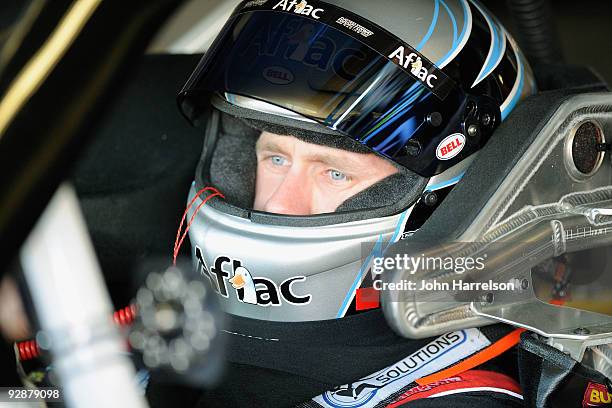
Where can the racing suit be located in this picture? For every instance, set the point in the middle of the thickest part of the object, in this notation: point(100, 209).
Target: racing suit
point(352, 362)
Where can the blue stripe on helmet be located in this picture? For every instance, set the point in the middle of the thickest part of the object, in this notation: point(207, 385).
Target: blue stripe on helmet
point(517, 96)
point(454, 21)
point(446, 183)
point(432, 26)
point(497, 48)
point(465, 33)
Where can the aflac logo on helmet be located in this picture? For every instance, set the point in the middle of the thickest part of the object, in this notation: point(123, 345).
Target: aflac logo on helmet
point(416, 64)
point(302, 8)
point(252, 290)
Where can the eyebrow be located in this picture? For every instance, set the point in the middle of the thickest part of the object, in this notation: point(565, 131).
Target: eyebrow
point(269, 146)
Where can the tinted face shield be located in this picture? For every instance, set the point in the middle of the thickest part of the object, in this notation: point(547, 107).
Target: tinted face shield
point(382, 94)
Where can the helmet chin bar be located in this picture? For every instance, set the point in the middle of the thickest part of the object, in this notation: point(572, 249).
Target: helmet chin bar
point(534, 204)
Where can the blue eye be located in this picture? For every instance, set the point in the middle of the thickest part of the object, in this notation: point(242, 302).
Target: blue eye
point(278, 160)
point(337, 175)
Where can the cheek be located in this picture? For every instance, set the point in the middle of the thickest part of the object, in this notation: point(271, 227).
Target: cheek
point(265, 185)
point(327, 199)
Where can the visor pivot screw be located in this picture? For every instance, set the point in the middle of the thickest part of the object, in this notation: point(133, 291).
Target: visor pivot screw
point(471, 107)
point(413, 148)
point(434, 119)
point(473, 130)
point(582, 331)
point(431, 199)
point(487, 120)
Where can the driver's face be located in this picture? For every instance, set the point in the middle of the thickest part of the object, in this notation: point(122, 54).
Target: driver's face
point(299, 178)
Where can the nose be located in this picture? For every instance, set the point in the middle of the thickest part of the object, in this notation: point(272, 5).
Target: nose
point(293, 196)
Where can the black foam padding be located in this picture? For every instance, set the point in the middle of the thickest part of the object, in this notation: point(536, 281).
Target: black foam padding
point(337, 141)
point(384, 193)
point(233, 168)
point(491, 167)
point(410, 194)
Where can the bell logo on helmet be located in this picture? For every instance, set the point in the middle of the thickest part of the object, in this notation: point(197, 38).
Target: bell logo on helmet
point(302, 8)
point(249, 289)
point(450, 147)
point(414, 61)
point(278, 75)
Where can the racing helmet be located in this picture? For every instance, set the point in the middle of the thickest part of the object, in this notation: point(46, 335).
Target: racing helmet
point(421, 83)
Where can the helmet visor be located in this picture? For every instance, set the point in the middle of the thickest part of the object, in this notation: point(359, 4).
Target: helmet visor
point(304, 65)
